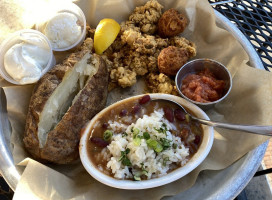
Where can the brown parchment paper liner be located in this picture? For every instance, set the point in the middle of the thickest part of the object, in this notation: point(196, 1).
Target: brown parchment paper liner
point(249, 103)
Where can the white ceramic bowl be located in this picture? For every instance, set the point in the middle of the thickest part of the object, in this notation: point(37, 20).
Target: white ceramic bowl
point(196, 160)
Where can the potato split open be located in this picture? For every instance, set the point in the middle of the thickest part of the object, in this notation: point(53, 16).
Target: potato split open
point(62, 102)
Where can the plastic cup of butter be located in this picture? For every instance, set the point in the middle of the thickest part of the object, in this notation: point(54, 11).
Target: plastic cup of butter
point(22, 37)
point(64, 26)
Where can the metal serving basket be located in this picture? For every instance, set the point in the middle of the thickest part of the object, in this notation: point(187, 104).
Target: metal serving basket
point(232, 179)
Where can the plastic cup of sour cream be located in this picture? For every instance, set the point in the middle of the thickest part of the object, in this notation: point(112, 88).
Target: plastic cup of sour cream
point(64, 26)
point(25, 56)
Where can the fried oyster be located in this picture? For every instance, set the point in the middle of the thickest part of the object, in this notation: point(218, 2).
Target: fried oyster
point(146, 17)
point(136, 49)
point(160, 83)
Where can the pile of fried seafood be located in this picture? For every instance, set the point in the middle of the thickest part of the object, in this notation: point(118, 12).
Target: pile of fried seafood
point(149, 46)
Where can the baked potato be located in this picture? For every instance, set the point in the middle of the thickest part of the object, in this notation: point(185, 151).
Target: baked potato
point(63, 100)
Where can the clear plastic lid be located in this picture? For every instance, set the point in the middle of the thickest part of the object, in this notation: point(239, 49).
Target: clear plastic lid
point(69, 8)
point(18, 37)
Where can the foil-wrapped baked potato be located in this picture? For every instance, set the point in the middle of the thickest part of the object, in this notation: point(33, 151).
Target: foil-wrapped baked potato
point(62, 102)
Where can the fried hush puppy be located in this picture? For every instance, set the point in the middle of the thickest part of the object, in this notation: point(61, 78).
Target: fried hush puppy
point(171, 23)
point(171, 59)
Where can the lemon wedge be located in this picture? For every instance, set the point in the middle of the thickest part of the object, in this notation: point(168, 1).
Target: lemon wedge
point(105, 34)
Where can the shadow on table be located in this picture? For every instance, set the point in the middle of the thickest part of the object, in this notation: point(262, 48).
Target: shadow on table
point(5, 192)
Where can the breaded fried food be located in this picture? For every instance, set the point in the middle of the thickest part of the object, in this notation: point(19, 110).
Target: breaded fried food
point(125, 77)
point(160, 83)
point(182, 42)
point(171, 23)
point(147, 16)
point(135, 51)
point(171, 59)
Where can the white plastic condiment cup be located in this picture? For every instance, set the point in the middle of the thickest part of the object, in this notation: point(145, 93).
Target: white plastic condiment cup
point(66, 8)
point(18, 37)
point(196, 160)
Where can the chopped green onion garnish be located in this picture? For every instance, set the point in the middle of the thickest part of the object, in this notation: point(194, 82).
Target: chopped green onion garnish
point(162, 129)
point(107, 135)
point(146, 135)
point(144, 172)
point(158, 148)
point(127, 150)
point(187, 118)
point(165, 143)
point(135, 131)
point(155, 145)
point(137, 141)
point(165, 160)
point(124, 134)
point(150, 142)
point(137, 175)
point(124, 159)
point(142, 165)
point(137, 178)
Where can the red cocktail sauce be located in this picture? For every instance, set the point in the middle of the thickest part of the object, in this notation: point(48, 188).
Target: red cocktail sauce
point(203, 87)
